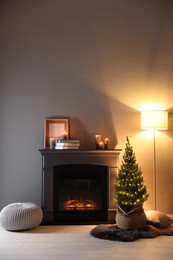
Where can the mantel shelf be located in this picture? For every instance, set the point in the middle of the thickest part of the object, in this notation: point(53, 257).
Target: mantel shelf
point(80, 151)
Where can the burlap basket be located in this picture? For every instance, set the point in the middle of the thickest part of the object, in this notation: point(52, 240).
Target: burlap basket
point(133, 219)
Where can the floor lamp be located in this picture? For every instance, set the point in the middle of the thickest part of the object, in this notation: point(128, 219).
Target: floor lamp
point(154, 120)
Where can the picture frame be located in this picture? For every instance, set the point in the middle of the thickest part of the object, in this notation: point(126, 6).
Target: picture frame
point(57, 128)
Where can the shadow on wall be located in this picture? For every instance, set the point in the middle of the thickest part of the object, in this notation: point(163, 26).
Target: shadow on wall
point(115, 121)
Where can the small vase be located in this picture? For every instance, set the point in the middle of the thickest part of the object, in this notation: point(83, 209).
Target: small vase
point(134, 219)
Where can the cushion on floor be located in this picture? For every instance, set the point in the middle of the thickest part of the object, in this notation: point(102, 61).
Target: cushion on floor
point(158, 219)
point(20, 216)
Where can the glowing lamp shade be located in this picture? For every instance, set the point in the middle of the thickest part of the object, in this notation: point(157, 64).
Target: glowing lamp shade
point(154, 119)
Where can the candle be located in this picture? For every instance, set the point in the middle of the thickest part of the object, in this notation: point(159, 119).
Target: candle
point(98, 139)
point(101, 145)
point(106, 143)
point(65, 135)
point(52, 142)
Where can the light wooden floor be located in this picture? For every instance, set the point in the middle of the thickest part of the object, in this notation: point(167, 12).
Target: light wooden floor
point(75, 243)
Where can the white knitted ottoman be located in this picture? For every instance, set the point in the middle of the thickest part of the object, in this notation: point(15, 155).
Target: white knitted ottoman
point(21, 216)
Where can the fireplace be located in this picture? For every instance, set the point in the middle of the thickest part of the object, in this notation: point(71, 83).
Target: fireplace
point(80, 192)
point(78, 186)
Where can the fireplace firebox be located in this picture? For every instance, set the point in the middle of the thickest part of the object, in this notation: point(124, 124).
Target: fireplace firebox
point(80, 192)
point(78, 186)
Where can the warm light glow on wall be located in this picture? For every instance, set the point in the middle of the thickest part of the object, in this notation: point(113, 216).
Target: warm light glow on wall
point(154, 119)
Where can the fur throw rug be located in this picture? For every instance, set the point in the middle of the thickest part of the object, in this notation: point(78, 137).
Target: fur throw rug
point(113, 232)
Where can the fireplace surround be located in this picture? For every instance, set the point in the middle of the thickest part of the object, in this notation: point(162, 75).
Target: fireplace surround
point(92, 171)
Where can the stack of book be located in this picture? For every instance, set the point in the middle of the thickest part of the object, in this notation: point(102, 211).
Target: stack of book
point(67, 144)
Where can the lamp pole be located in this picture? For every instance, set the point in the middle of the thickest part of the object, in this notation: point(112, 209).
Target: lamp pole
point(154, 168)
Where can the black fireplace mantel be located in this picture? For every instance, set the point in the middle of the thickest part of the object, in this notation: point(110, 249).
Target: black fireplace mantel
point(102, 157)
point(52, 158)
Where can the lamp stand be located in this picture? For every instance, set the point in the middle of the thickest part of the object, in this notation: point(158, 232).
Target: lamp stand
point(154, 167)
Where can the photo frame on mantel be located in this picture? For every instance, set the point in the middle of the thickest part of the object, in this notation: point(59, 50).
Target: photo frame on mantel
point(57, 128)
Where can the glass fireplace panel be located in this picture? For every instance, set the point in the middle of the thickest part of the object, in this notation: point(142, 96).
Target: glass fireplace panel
point(80, 193)
point(80, 189)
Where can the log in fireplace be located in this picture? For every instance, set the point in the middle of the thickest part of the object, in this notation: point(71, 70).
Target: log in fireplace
point(78, 186)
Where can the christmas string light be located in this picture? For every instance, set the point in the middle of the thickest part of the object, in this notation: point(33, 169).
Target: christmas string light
point(130, 188)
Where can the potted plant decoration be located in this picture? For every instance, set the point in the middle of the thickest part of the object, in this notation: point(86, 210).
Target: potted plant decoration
point(130, 192)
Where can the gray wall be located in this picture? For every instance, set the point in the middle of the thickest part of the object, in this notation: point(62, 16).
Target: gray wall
point(98, 62)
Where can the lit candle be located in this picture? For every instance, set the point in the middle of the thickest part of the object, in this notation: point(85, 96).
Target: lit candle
point(65, 135)
point(52, 142)
point(106, 143)
point(101, 145)
point(98, 139)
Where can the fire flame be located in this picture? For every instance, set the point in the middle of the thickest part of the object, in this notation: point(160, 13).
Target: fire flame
point(80, 205)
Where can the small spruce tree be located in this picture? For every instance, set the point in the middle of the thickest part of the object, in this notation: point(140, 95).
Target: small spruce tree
point(130, 189)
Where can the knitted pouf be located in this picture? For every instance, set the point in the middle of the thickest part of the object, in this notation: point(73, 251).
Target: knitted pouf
point(20, 216)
